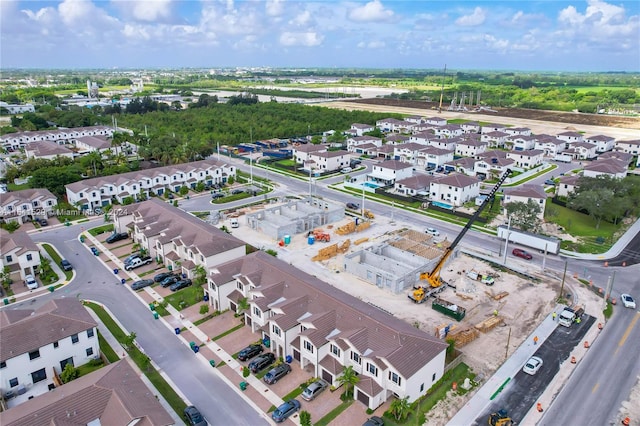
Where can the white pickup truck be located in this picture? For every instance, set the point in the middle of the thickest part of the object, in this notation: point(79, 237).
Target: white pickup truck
point(137, 262)
point(569, 315)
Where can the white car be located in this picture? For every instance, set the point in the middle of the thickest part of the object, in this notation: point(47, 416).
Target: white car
point(628, 301)
point(30, 282)
point(432, 231)
point(533, 365)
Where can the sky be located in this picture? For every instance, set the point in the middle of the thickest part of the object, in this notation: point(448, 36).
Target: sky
point(538, 35)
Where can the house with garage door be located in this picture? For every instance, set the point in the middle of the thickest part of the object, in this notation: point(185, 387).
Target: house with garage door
point(454, 189)
point(570, 137)
point(550, 145)
point(27, 205)
point(19, 253)
point(36, 345)
point(581, 151)
point(631, 146)
point(611, 167)
point(360, 129)
point(525, 193)
point(354, 142)
point(526, 159)
point(388, 171)
point(431, 157)
point(325, 330)
point(418, 185)
point(603, 143)
point(495, 139)
point(176, 238)
point(391, 125)
point(47, 150)
point(465, 165)
point(470, 147)
point(521, 142)
point(470, 127)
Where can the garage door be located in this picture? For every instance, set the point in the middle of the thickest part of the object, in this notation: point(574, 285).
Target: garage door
point(364, 398)
point(327, 377)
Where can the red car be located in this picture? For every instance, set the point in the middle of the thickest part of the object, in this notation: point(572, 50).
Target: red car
point(521, 253)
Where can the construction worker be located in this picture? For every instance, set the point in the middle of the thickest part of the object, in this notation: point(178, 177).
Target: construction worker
point(495, 312)
point(554, 315)
point(535, 340)
point(578, 320)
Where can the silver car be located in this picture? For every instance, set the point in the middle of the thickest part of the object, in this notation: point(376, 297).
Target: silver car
point(533, 365)
point(314, 389)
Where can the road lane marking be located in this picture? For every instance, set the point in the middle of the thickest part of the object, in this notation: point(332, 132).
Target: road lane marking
point(595, 388)
point(628, 330)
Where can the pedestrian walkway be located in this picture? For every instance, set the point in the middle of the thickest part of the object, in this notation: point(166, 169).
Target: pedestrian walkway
point(614, 251)
point(252, 381)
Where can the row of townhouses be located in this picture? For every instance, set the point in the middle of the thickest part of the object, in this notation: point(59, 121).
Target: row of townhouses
point(36, 346)
point(49, 150)
point(27, 205)
point(300, 315)
point(97, 192)
point(19, 253)
point(61, 136)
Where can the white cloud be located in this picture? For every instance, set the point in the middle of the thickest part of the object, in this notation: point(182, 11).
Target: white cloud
point(476, 18)
point(274, 7)
point(150, 11)
point(600, 20)
point(373, 11)
point(372, 45)
point(301, 39)
point(301, 19)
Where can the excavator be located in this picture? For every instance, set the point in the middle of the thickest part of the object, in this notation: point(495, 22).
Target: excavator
point(434, 283)
point(500, 418)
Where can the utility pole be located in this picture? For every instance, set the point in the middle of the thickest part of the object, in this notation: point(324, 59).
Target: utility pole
point(564, 274)
point(506, 242)
point(506, 349)
point(544, 258)
point(444, 74)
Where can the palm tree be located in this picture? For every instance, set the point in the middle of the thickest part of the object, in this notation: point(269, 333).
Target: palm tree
point(400, 408)
point(349, 379)
point(199, 275)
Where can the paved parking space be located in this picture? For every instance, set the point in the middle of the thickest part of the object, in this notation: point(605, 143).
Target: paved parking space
point(237, 340)
point(290, 382)
point(322, 404)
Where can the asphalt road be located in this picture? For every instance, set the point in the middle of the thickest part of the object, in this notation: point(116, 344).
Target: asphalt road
point(523, 390)
point(601, 382)
point(195, 379)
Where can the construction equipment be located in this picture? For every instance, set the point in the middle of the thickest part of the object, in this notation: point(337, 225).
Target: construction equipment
point(368, 214)
point(452, 310)
point(435, 284)
point(500, 418)
point(320, 235)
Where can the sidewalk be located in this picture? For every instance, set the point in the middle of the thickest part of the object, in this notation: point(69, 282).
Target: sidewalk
point(614, 251)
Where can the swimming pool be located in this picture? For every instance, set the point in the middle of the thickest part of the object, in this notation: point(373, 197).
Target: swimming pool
point(371, 185)
point(442, 205)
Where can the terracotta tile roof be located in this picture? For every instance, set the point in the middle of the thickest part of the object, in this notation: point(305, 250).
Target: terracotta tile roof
point(419, 181)
point(609, 165)
point(25, 196)
point(458, 180)
point(17, 240)
point(570, 180)
point(625, 157)
point(369, 386)
point(96, 142)
point(53, 321)
point(394, 165)
point(113, 394)
point(330, 364)
point(45, 148)
point(529, 191)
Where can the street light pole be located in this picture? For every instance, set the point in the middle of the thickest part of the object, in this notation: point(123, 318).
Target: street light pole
point(506, 242)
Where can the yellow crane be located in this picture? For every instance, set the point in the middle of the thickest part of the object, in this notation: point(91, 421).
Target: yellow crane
point(434, 282)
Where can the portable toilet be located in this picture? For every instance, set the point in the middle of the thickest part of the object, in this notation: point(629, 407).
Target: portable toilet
point(311, 239)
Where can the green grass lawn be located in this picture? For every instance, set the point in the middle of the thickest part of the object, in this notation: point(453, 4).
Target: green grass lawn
point(13, 187)
point(106, 349)
point(101, 229)
point(56, 259)
point(186, 297)
point(583, 226)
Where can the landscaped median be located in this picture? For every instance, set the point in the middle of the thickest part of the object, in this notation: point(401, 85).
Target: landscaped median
point(141, 360)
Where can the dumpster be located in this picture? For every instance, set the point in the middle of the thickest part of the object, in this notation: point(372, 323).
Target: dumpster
point(205, 298)
point(152, 306)
point(82, 238)
point(177, 330)
point(196, 349)
point(449, 309)
point(122, 281)
point(243, 385)
point(115, 271)
point(51, 289)
point(155, 315)
point(212, 363)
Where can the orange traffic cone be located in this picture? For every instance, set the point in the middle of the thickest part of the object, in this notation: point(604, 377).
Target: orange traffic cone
point(586, 343)
point(599, 326)
point(626, 421)
point(539, 407)
point(454, 386)
point(573, 360)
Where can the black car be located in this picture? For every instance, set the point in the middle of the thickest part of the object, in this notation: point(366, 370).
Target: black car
point(170, 281)
point(43, 222)
point(353, 206)
point(66, 265)
point(374, 421)
point(262, 362)
point(237, 191)
point(117, 236)
point(180, 285)
point(284, 411)
point(249, 352)
point(160, 277)
point(217, 195)
point(137, 285)
point(194, 417)
point(276, 373)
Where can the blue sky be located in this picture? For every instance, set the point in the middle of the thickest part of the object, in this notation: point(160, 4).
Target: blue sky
point(577, 35)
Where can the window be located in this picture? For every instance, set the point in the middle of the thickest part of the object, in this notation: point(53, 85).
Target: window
point(9, 259)
point(276, 331)
point(3, 364)
point(35, 354)
point(335, 350)
point(239, 285)
point(302, 328)
point(64, 363)
point(89, 351)
point(372, 369)
point(257, 312)
point(433, 378)
point(29, 256)
point(355, 357)
point(13, 382)
point(90, 333)
point(395, 378)
point(38, 376)
point(55, 345)
point(74, 338)
point(308, 346)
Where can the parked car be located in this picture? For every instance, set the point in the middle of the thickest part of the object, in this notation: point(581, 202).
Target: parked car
point(137, 285)
point(346, 170)
point(627, 301)
point(194, 418)
point(432, 231)
point(217, 195)
point(161, 276)
point(374, 421)
point(66, 265)
point(180, 285)
point(314, 389)
point(249, 352)
point(549, 182)
point(262, 362)
point(276, 373)
point(353, 206)
point(130, 258)
point(284, 411)
point(237, 191)
point(117, 236)
point(533, 365)
point(43, 222)
point(30, 282)
point(521, 253)
point(170, 281)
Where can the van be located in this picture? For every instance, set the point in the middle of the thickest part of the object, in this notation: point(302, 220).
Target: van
point(346, 170)
point(234, 222)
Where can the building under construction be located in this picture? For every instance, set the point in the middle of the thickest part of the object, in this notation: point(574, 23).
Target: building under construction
point(295, 217)
point(397, 263)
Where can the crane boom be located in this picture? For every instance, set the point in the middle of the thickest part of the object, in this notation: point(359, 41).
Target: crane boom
point(433, 277)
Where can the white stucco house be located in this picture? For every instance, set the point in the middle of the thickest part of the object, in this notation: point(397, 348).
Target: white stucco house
point(603, 143)
point(354, 142)
point(470, 147)
point(550, 145)
point(27, 204)
point(629, 146)
point(19, 253)
point(612, 167)
point(454, 189)
point(388, 171)
point(360, 129)
point(524, 193)
point(47, 150)
point(526, 159)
